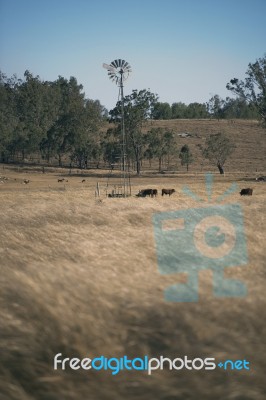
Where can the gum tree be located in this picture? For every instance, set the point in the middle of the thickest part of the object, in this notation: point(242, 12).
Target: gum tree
point(161, 143)
point(138, 108)
point(253, 88)
point(186, 156)
point(217, 149)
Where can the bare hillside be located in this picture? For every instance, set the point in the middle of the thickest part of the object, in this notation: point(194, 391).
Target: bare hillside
point(248, 136)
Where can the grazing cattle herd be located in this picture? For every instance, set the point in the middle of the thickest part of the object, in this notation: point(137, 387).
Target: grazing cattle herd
point(154, 192)
point(151, 192)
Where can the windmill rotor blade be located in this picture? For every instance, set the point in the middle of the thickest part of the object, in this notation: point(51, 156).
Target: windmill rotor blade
point(115, 63)
point(126, 70)
point(126, 67)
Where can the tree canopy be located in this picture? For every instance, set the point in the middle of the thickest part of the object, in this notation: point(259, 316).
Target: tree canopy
point(160, 143)
point(186, 156)
point(217, 149)
point(49, 118)
point(138, 108)
point(253, 88)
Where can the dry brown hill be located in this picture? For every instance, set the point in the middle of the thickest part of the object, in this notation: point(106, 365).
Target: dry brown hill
point(247, 135)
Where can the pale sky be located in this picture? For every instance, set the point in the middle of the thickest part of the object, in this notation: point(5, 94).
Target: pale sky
point(182, 50)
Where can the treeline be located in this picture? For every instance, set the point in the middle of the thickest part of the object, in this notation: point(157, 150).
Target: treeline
point(216, 107)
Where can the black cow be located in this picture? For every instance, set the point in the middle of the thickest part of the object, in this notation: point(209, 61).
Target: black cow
point(261, 179)
point(168, 191)
point(147, 192)
point(246, 192)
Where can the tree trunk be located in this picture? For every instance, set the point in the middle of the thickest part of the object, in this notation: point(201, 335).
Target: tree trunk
point(138, 163)
point(4, 158)
point(160, 164)
point(221, 169)
point(138, 167)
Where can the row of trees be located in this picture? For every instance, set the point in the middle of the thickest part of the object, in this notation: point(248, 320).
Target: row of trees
point(55, 119)
point(51, 118)
point(216, 107)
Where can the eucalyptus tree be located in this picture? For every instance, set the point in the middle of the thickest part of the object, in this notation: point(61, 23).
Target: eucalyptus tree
point(185, 156)
point(239, 108)
point(8, 115)
point(215, 107)
point(35, 109)
point(138, 108)
point(69, 116)
point(217, 149)
point(162, 111)
point(178, 110)
point(87, 140)
point(196, 110)
point(160, 143)
point(253, 88)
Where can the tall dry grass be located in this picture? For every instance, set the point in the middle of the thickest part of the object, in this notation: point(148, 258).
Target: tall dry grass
point(80, 277)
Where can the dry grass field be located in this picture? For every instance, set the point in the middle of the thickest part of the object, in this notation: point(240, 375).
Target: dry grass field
point(79, 276)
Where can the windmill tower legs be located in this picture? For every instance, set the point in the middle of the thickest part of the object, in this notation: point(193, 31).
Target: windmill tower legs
point(124, 155)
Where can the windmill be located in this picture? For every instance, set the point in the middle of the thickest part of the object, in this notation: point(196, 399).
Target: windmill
point(118, 72)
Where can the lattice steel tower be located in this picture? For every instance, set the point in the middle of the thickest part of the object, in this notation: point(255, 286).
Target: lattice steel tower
point(118, 71)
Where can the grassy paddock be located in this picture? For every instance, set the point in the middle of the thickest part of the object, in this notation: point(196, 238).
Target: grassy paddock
point(79, 276)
